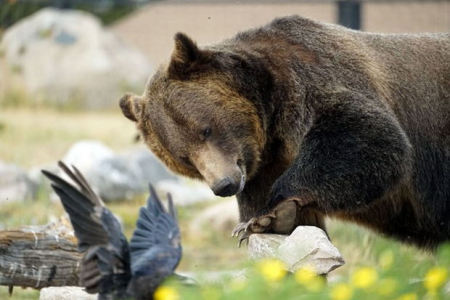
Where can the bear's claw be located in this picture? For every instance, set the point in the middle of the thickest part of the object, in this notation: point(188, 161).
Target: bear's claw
point(255, 225)
point(281, 220)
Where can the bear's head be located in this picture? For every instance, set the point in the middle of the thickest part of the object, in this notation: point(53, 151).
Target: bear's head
point(199, 115)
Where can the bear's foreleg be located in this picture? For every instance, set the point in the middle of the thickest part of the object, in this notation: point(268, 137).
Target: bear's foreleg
point(354, 152)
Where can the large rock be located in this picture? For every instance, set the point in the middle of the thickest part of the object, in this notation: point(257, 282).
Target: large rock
point(307, 246)
point(110, 175)
point(15, 184)
point(147, 167)
point(220, 217)
point(85, 154)
point(66, 55)
point(65, 293)
point(116, 176)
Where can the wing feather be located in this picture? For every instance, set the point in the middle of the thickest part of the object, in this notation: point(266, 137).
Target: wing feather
point(105, 267)
point(156, 228)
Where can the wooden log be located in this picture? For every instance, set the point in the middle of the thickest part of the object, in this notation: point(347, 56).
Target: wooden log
point(39, 256)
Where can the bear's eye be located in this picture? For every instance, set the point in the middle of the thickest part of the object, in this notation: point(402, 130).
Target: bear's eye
point(207, 132)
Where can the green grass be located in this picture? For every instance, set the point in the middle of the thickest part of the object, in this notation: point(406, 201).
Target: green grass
point(32, 137)
point(35, 136)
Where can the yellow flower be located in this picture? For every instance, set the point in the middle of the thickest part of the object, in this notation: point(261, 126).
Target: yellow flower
point(364, 277)
point(387, 286)
point(305, 275)
point(386, 259)
point(409, 296)
point(341, 291)
point(272, 270)
point(435, 278)
point(309, 278)
point(166, 293)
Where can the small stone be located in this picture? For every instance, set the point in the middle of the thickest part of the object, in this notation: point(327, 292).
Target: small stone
point(15, 184)
point(65, 293)
point(307, 246)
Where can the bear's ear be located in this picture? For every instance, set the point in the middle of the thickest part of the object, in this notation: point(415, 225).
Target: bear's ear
point(184, 57)
point(131, 106)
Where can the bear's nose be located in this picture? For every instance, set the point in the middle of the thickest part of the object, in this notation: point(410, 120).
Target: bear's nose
point(225, 187)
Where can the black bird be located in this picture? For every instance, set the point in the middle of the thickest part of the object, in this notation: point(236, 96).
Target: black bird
point(110, 266)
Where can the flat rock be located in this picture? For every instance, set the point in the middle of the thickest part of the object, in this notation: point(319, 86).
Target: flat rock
point(65, 293)
point(307, 246)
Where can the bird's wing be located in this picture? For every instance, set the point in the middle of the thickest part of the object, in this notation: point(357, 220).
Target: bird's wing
point(79, 179)
point(155, 246)
point(105, 267)
point(155, 227)
point(85, 214)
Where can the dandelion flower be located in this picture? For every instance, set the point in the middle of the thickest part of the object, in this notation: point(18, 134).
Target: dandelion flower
point(309, 278)
point(435, 278)
point(272, 270)
point(305, 275)
point(166, 293)
point(341, 291)
point(364, 277)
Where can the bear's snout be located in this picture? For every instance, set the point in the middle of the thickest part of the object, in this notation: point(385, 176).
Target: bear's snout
point(219, 170)
point(226, 187)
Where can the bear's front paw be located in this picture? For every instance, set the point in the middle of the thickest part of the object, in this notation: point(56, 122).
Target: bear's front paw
point(281, 220)
point(255, 225)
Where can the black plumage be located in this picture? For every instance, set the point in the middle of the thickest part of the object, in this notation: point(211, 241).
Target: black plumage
point(110, 266)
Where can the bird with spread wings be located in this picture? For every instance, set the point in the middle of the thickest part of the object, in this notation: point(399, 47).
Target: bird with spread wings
point(112, 267)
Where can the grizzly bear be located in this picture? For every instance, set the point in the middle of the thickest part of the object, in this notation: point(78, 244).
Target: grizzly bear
point(301, 120)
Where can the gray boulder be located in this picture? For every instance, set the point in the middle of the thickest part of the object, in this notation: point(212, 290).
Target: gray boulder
point(67, 55)
point(147, 167)
point(114, 179)
point(85, 154)
point(307, 246)
point(15, 184)
point(116, 176)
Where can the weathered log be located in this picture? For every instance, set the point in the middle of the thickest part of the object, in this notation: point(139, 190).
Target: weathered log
point(39, 256)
